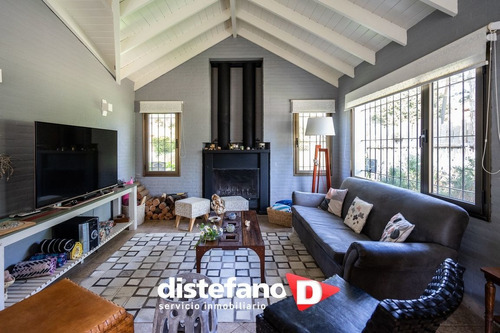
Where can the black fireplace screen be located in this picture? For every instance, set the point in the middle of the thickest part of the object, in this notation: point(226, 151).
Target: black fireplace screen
point(242, 182)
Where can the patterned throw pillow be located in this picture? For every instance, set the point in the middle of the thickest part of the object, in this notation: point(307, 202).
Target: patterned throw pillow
point(397, 230)
point(333, 201)
point(357, 214)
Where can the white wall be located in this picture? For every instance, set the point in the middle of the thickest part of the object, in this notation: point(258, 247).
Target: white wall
point(190, 82)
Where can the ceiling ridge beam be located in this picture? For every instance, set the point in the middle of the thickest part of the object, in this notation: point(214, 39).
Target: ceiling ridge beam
point(128, 7)
point(290, 57)
point(175, 43)
point(168, 64)
point(449, 7)
point(368, 19)
point(297, 43)
point(319, 30)
point(234, 27)
point(171, 20)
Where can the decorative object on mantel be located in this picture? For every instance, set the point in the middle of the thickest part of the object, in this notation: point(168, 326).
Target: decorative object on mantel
point(218, 205)
point(6, 168)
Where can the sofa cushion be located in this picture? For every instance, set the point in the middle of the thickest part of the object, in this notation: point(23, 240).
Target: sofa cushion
point(358, 214)
point(333, 201)
point(327, 230)
point(397, 229)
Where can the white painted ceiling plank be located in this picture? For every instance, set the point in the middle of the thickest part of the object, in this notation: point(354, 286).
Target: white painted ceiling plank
point(288, 56)
point(128, 7)
point(368, 19)
point(169, 21)
point(64, 16)
point(449, 7)
point(234, 27)
point(319, 30)
point(167, 64)
point(297, 43)
point(189, 35)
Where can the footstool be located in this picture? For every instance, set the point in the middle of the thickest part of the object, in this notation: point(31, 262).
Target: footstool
point(191, 208)
point(235, 203)
point(65, 307)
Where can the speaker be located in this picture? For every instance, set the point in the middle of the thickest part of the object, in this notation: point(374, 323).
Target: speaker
point(84, 229)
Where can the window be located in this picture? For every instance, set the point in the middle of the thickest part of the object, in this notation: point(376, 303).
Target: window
point(305, 145)
point(387, 139)
point(426, 139)
point(161, 144)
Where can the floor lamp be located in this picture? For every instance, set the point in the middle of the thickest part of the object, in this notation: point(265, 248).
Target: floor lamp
point(320, 126)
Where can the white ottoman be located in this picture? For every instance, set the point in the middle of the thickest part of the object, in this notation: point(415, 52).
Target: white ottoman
point(235, 203)
point(191, 208)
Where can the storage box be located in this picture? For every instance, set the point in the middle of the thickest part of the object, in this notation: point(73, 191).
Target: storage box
point(141, 212)
point(279, 217)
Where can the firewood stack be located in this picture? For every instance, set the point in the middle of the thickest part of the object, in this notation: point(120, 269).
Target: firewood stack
point(163, 207)
point(142, 192)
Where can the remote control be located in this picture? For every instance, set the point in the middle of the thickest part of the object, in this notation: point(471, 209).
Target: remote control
point(23, 214)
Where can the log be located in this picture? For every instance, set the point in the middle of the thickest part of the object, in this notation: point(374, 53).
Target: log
point(162, 205)
point(156, 202)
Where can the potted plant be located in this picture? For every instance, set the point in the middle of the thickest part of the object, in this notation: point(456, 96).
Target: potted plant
point(6, 168)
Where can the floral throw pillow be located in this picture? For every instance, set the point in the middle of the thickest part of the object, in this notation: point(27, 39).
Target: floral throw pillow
point(357, 214)
point(397, 230)
point(333, 201)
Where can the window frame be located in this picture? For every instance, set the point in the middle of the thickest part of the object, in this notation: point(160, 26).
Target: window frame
point(145, 148)
point(481, 207)
point(296, 141)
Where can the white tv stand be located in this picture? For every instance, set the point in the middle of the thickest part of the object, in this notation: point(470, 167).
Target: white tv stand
point(25, 288)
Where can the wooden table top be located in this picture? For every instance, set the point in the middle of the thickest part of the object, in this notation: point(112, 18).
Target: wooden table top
point(247, 236)
point(492, 273)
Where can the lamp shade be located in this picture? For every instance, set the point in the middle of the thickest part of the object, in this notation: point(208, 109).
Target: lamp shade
point(320, 126)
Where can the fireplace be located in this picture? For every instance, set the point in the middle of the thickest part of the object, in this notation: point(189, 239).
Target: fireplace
point(243, 173)
point(242, 182)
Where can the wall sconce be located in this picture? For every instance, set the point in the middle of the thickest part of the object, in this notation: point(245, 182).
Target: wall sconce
point(106, 107)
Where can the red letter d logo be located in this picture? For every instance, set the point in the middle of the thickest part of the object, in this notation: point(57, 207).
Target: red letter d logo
point(307, 292)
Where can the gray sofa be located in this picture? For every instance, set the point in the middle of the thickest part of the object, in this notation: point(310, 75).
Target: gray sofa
point(383, 269)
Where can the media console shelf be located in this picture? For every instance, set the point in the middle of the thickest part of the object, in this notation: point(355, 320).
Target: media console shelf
point(25, 288)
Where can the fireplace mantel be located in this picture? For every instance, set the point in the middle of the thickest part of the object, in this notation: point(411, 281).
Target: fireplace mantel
point(258, 161)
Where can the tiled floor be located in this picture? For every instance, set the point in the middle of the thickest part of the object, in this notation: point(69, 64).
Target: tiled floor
point(463, 320)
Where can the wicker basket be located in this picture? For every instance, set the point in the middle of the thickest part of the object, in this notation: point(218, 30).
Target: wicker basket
point(279, 217)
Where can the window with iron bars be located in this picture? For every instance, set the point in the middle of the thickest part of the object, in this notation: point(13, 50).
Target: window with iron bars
point(427, 139)
point(304, 145)
point(161, 144)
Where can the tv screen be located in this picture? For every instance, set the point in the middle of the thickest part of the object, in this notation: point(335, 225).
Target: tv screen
point(72, 161)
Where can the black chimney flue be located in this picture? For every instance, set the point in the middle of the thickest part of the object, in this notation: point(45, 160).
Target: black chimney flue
point(248, 104)
point(224, 100)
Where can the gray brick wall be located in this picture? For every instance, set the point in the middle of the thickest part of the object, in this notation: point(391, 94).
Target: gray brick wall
point(190, 82)
point(48, 75)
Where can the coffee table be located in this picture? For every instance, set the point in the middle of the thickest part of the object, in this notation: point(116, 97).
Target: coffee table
point(244, 237)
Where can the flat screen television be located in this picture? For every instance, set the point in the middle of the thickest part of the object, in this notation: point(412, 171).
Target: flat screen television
point(72, 162)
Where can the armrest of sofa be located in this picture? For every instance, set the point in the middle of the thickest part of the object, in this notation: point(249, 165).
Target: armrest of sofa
point(308, 199)
point(393, 270)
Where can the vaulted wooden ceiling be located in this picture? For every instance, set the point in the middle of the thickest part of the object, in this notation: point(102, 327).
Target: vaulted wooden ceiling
point(144, 39)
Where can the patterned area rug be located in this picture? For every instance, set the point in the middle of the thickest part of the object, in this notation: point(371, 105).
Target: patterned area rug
point(130, 277)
